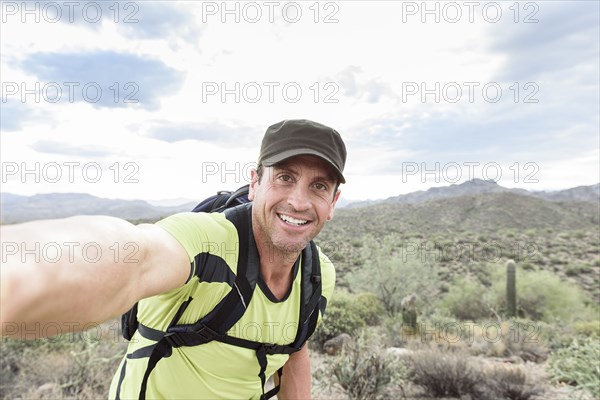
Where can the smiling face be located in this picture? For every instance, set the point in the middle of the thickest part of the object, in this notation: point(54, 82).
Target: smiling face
point(292, 201)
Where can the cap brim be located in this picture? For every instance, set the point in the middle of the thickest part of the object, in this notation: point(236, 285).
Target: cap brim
point(298, 152)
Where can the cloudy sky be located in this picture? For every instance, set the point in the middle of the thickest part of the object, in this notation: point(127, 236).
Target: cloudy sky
point(164, 100)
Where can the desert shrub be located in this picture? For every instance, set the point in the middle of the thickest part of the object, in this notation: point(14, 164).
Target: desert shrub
point(510, 383)
point(516, 338)
point(520, 338)
point(577, 269)
point(556, 335)
point(445, 373)
point(369, 308)
point(393, 333)
point(343, 315)
point(587, 328)
point(466, 300)
point(364, 369)
point(394, 269)
point(578, 365)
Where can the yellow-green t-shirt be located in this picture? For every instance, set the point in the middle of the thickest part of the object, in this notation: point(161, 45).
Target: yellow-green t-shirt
point(213, 370)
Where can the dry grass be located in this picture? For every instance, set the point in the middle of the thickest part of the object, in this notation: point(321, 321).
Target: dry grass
point(445, 374)
point(72, 366)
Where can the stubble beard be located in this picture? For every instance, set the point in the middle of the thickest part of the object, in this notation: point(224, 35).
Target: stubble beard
point(279, 246)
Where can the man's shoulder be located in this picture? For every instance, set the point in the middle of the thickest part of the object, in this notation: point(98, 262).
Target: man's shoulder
point(197, 230)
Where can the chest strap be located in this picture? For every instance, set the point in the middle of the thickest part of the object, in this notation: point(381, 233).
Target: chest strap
point(166, 341)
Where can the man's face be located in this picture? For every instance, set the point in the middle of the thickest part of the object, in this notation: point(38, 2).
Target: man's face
point(292, 201)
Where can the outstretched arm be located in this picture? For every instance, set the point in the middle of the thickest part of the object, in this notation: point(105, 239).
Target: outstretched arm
point(81, 270)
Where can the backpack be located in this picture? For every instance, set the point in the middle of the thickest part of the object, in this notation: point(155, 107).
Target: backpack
point(230, 309)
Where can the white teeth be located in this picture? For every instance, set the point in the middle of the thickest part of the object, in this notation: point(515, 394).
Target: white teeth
point(291, 220)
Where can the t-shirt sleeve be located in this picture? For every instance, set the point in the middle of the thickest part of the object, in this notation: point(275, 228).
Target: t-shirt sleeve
point(203, 233)
point(190, 230)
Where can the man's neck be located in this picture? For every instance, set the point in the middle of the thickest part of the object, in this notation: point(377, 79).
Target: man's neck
point(276, 268)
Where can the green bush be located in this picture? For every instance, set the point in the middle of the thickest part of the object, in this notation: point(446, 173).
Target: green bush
point(347, 313)
point(466, 300)
point(369, 308)
point(578, 365)
point(587, 328)
point(394, 269)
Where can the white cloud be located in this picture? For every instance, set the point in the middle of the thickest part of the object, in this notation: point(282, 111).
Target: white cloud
point(211, 89)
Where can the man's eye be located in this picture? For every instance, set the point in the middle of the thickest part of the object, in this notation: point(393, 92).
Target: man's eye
point(285, 178)
point(320, 186)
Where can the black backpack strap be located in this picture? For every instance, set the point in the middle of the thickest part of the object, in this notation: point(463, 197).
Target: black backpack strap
point(240, 196)
point(311, 295)
point(162, 348)
point(231, 308)
point(129, 322)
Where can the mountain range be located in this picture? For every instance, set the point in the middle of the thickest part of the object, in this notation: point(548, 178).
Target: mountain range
point(479, 186)
point(17, 208)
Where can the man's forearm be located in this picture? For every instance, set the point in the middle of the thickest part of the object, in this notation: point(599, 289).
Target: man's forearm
point(296, 378)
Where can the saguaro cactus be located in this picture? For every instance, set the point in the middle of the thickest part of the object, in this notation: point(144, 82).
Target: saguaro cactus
point(511, 289)
point(409, 313)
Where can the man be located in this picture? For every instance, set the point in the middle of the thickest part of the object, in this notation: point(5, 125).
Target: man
point(293, 191)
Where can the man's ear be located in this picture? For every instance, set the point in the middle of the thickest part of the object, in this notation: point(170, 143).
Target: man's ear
point(333, 203)
point(253, 183)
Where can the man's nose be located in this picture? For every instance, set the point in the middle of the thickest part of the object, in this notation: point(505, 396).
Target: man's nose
point(299, 198)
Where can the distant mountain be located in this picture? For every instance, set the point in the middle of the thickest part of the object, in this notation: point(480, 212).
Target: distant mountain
point(15, 208)
point(475, 213)
point(478, 186)
point(579, 193)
